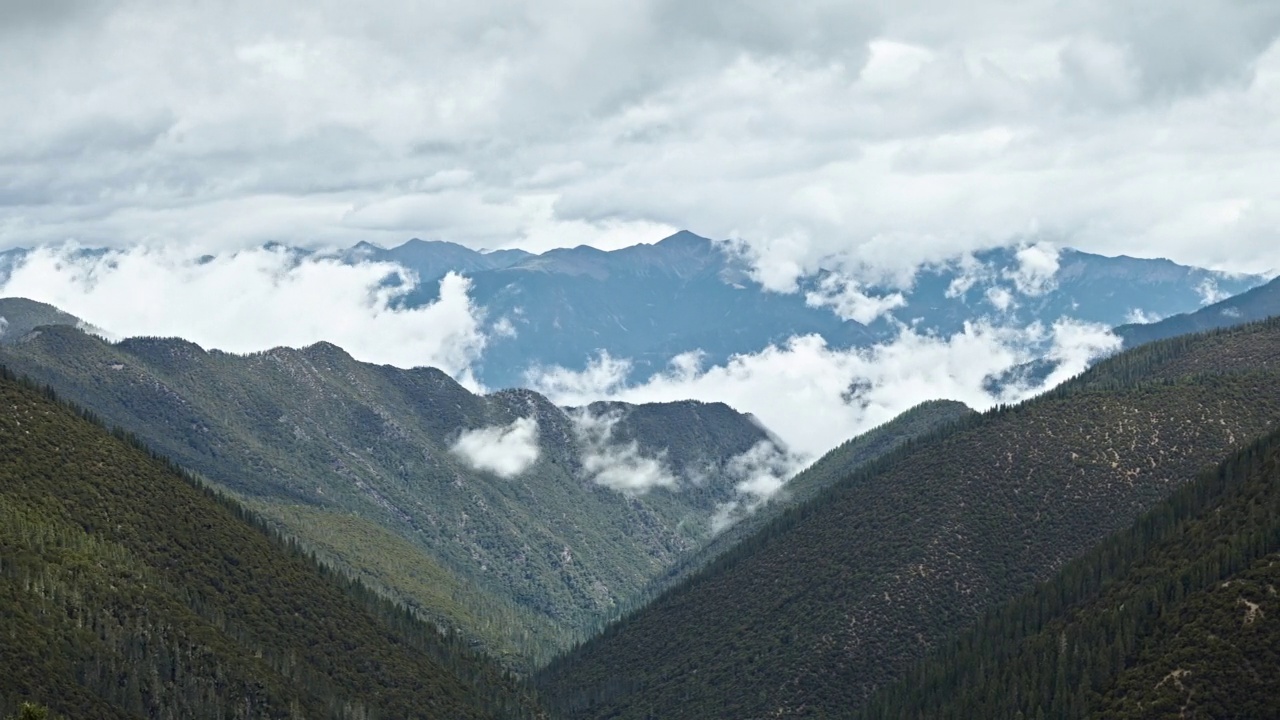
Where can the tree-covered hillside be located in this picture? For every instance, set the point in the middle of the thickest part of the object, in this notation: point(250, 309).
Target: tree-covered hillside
point(359, 462)
point(840, 596)
point(1176, 617)
point(129, 591)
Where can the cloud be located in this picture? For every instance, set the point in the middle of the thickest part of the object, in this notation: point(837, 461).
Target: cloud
point(4, 326)
point(1037, 267)
point(820, 134)
point(617, 466)
point(760, 473)
point(504, 450)
point(1138, 316)
point(847, 300)
point(1210, 293)
point(258, 299)
point(815, 396)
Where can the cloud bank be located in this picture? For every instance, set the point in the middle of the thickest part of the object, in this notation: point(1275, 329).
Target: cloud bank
point(815, 397)
point(877, 134)
point(258, 299)
point(504, 450)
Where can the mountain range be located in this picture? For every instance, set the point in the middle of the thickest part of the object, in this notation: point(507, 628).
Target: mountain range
point(131, 591)
point(838, 597)
point(315, 536)
point(651, 302)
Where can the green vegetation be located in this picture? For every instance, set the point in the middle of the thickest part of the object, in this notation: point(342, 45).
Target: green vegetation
point(353, 460)
point(840, 596)
point(131, 591)
point(826, 471)
point(1178, 616)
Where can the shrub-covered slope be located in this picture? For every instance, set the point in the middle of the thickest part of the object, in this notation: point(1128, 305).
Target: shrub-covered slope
point(341, 453)
point(838, 597)
point(129, 592)
point(1176, 617)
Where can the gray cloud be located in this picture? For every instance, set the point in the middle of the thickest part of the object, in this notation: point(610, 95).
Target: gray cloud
point(866, 136)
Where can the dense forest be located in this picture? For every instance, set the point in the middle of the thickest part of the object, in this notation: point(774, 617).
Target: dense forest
point(840, 596)
point(132, 591)
point(1177, 616)
point(354, 460)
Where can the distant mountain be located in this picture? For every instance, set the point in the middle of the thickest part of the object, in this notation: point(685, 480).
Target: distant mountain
point(650, 302)
point(1176, 616)
point(130, 591)
point(541, 520)
point(838, 597)
point(19, 316)
point(1257, 304)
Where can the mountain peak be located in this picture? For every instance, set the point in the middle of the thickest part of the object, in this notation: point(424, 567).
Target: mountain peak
point(682, 239)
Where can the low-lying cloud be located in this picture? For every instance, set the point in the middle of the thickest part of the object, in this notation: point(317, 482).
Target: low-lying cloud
point(504, 450)
point(814, 396)
point(258, 299)
point(760, 474)
point(617, 466)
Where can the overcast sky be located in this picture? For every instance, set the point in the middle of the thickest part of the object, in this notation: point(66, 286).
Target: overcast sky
point(872, 133)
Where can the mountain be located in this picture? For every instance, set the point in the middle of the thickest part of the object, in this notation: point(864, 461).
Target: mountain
point(839, 597)
point(503, 515)
point(911, 426)
point(19, 316)
point(1176, 616)
point(648, 303)
point(1257, 304)
point(130, 591)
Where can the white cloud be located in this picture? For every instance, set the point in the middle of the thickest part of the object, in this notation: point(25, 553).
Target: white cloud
point(1138, 316)
point(1210, 293)
point(761, 473)
point(4, 326)
point(847, 300)
point(617, 466)
point(258, 299)
point(815, 397)
point(1000, 298)
point(504, 450)
point(876, 134)
point(1037, 267)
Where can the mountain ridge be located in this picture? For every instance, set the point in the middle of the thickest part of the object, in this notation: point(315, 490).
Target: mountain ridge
point(838, 597)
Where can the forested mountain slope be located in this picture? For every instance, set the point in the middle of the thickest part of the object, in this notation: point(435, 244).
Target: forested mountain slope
point(131, 592)
point(838, 597)
point(826, 471)
point(360, 462)
point(1177, 616)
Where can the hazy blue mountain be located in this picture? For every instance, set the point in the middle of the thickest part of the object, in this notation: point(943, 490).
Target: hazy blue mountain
point(1257, 304)
point(649, 303)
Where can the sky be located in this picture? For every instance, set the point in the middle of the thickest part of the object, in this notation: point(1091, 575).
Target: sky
point(862, 133)
point(861, 137)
